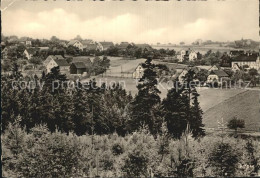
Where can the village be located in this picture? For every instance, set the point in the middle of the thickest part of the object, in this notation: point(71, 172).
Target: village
point(233, 71)
point(130, 89)
point(80, 58)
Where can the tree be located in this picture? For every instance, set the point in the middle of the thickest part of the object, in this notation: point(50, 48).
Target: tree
point(173, 107)
point(78, 37)
point(136, 163)
point(202, 76)
point(235, 123)
point(196, 118)
point(223, 159)
point(35, 61)
point(253, 73)
point(54, 80)
point(146, 100)
point(54, 39)
point(181, 108)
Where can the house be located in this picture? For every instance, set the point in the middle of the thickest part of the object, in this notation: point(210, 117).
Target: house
point(124, 45)
point(216, 76)
point(105, 45)
point(78, 68)
point(62, 63)
point(183, 72)
point(189, 55)
point(250, 59)
point(234, 53)
point(30, 52)
point(181, 75)
point(87, 42)
point(144, 47)
point(92, 47)
point(207, 68)
point(192, 55)
point(139, 72)
point(75, 43)
point(26, 41)
point(236, 67)
point(180, 55)
point(51, 57)
point(225, 60)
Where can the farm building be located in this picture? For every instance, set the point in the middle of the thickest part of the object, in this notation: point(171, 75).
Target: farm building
point(50, 57)
point(78, 68)
point(216, 75)
point(250, 59)
point(62, 63)
point(105, 45)
point(75, 43)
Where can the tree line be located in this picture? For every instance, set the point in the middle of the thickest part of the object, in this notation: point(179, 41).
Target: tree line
point(102, 109)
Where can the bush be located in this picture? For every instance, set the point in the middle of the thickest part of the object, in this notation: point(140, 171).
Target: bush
point(50, 155)
point(117, 149)
point(136, 163)
point(41, 153)
point(223, 159)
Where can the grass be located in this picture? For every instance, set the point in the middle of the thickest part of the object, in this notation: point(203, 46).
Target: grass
point(245, 105)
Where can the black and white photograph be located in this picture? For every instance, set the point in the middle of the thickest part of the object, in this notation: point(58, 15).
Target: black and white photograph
point(130, 88)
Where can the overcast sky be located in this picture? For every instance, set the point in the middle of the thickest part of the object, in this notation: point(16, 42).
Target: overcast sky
point(133, 21)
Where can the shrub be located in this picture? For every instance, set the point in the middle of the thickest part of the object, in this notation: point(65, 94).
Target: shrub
point(136, 163)
point(50, 155)
point(223, 159)
point(117, 149)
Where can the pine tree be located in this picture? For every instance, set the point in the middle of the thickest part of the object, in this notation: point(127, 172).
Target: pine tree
point(181, 108)
point(174, 110)
point(81, 113)
point(196, 124)
point(146, 99)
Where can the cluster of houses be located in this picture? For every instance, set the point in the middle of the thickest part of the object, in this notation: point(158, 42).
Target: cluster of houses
point(101, 46)
point(89, 44)
point(214, 73)
point(235, 60)
point(74, 68)
point(188, 55)
point(239, 59)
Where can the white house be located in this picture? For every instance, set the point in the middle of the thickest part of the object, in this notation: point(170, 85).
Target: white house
point(180, 55)
point(76, 43)
point(216, 75)
point(192, 55)
point(250, 59)
point(139, 72)
point(105, 45)
point(182, 74)
point(62, 63)
point(189, 54)
point(27, 54)
point(51, 57)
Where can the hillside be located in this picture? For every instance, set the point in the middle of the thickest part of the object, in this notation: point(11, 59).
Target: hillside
point(245, 105)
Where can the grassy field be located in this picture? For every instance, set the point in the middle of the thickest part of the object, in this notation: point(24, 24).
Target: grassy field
point(123, 66)
point(245, 105)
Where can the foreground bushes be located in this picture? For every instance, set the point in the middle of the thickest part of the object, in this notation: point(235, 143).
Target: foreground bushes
point(41, 153)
